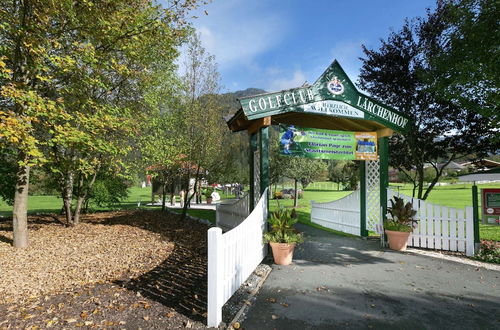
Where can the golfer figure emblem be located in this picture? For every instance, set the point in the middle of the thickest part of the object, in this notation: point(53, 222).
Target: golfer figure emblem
point(335, 86)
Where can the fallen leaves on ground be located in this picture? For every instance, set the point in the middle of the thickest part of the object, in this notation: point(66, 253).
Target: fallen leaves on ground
point(116, 268)
point(106, 247)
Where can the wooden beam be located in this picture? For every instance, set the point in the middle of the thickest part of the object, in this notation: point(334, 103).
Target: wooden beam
point(258, 123)
point(383, 132)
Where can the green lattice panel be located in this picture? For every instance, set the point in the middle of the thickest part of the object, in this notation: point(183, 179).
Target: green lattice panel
point(372, 172)
point(256, 176)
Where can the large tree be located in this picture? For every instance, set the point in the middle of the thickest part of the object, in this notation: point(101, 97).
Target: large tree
point(302, 170)
point(466, 67)
point(26, 61)
point(72, 79)
point(202, 126)
point(442, 130)
point(345, 172)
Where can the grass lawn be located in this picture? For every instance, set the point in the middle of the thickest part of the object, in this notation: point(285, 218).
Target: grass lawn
point(304, 207)
point(202, 214)
point(456, 195)
point(53, 204)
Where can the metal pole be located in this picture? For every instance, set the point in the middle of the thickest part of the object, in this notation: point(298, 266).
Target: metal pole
point(253, 147)
point(475, 216)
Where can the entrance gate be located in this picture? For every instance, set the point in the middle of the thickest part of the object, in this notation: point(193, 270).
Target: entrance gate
point(333, 103)
point(357, 212)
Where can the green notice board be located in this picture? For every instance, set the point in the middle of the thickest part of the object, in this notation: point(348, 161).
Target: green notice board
point(327, 144)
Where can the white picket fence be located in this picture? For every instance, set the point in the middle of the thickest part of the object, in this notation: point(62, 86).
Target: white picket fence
point(440, 227)
point(230, 215)
point(341, 215)
point(232, 257)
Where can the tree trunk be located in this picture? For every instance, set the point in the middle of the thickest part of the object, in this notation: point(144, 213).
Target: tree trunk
point(295, 195)
point(78, 208)
point(20, 211)
point(164, 197)
point(82, 194)
point(420, 171)
point(172, 195)
point(189, 197)
point(67, 195)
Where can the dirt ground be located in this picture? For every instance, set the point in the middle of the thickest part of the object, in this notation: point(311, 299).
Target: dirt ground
point(127, 269)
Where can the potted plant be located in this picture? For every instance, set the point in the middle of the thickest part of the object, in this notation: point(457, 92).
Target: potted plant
point(208, 195)
point(399, 224)
point(282, 237)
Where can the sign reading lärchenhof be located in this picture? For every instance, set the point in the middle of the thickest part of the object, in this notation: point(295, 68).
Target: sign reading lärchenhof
point(333, 94)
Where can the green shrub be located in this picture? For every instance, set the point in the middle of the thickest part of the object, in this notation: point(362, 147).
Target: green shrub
point(489, 251)
point(106, 191)
point(277, 195)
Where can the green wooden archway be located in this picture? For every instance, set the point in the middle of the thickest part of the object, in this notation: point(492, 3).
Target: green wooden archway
point(332, 102)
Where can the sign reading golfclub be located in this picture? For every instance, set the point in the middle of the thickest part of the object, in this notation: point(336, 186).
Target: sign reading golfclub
point(327, 144)
point(333, 94)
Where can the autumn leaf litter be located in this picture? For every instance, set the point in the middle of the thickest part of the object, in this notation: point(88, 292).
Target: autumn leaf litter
point(62, 258)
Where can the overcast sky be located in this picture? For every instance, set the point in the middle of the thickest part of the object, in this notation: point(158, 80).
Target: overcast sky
point(280, 44)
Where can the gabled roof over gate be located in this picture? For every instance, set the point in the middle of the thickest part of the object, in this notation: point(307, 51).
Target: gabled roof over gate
point(332, 102)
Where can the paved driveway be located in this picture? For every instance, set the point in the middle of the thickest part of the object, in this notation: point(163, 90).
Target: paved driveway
point(350, 283)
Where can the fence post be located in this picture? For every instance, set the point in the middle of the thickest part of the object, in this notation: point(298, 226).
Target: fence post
point(475, 217)
point(214, 277)
point(469, 231)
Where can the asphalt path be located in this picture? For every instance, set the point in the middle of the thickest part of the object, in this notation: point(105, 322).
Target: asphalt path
point(349, 283)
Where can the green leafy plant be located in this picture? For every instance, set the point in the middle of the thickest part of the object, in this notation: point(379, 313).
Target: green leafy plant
point(489, 251)
point(400, 216)
point(208, 192)
point(282, 230)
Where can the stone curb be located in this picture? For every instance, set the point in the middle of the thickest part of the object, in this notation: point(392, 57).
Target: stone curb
point(462, 260)
point(245, 307)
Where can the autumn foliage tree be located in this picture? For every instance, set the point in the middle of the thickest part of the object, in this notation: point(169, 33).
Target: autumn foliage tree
point(73, 78)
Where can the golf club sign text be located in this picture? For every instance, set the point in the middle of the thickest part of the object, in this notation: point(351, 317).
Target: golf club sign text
point(278, 100)
point(333, 94)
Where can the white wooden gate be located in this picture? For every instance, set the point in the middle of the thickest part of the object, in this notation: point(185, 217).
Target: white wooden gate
point(440, 227)
point(341, 215)
point(232, 257)
point(228, 216)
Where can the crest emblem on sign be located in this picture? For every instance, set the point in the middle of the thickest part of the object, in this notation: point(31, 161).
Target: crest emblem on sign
point(335, 86)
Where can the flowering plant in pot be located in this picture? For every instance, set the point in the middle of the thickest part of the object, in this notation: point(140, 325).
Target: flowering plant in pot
point(208, 195)
point(283, 237)
point(400, 223)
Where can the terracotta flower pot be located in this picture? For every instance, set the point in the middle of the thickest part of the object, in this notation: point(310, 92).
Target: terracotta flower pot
point(397, 239)
point(209, 200)
point(282, 253)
